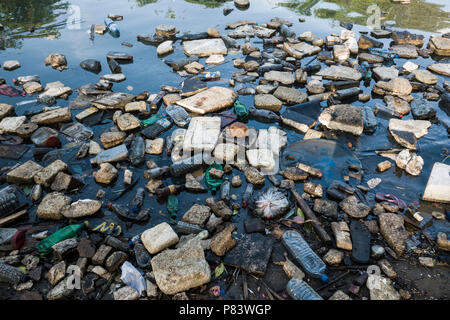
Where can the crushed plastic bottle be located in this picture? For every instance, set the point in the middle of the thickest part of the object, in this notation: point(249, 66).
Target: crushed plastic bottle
point(300, 290)
point(241, 111)
point(137, 151)
point(304, 255)
point(179, 115)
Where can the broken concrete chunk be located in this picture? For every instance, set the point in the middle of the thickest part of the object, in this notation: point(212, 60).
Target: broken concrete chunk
point(340, 73)
point(343, 117)
point(393, 230)
point(285, 78)
point(267, 102)
point(197, 214)
point(81, 208)
point(438, 185)
point(205, 47)
point(181, 269)
point(342, 235)
point(159, 238)
point(23, 174)
point(210, 100)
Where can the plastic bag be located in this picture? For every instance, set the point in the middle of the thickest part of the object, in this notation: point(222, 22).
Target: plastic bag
point(270, 203)
point(133, 278)
point(211, 182)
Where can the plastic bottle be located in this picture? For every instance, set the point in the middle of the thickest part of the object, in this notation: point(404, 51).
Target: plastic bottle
point(230, 42)
point(188, 228)
point(225, 189)
point(211, 75)
point(150, 39)
point(8, 202)
point(241, 111)
point(10, 274)
point(44, 247)
point(112, 27)
point(151, 132)
point(178, 114)
point(304, 255)
point(271, 41)
point(380, 110)
point(287, 32)
point(138, 200)
point(300, 290)
point(348, 93)
point(24, 79)
point(172, 189)
point(270, 67)
point(148, 122)
point(184, 166)
point(247, 195)
point(195, 36)
point(172, 206)
point(180, 63)
point(114, 66)
point(385, 53)
point(275, 181)
point(263, 115)
point(137, 151)
point(155, 172)
point(267, 55)
point(119, 55)
point(143, 258)
point(155, 103)
point(46, 137)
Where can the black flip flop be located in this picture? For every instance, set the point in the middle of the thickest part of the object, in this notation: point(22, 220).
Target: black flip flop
point(360, 235)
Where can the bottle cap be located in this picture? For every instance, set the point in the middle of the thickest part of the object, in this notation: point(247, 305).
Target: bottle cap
point(324, 278)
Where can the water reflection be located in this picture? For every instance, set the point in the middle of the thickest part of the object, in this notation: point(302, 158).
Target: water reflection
point(18, 16)
point(409, 16)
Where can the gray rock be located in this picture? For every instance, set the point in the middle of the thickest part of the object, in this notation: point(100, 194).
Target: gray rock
point(56, 273)
point(101, 254)
point(197, 214)
point(393, 230)
point(343, 117)
point(52, 205)
point(62, 248)
point(268, 102)
point(290, 95)
point(422, 110)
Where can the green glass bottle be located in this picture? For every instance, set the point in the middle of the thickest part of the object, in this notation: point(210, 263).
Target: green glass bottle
point(148, 122)
point(241, 111)
point(44, 247)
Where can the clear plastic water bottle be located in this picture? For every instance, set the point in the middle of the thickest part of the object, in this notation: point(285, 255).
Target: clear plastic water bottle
point(178, 115)
point(304, 255)
point(112, 27)
point(300, 290)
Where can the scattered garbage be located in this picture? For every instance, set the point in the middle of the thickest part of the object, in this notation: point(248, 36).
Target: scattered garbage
point(179, 171)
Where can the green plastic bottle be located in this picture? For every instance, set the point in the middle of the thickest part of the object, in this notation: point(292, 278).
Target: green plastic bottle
point(148, 122)
point(241, 111)
point(44, 247)
point(172, 206)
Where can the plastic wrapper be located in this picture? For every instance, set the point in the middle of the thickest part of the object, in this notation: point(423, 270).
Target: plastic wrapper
point(133, 278)
point(270, 203)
